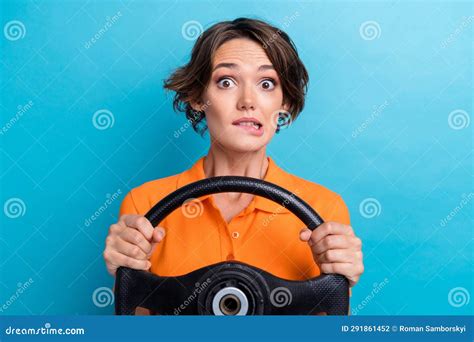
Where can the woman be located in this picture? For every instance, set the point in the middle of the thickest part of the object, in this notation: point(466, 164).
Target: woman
point(243, 80)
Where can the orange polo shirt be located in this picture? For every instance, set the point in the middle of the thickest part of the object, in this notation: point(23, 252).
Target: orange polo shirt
point(264, 234)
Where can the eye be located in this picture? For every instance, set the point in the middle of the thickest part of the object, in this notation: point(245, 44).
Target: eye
point(268, 84)
point(225, 82)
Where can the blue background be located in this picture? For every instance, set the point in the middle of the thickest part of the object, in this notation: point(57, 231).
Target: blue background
point(409, 157)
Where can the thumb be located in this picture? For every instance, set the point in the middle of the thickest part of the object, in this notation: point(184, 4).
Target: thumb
point(158, 236)
point(305, 234)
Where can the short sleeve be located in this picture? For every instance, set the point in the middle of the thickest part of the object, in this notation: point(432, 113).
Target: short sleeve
point(128, 205)
point(340, 212)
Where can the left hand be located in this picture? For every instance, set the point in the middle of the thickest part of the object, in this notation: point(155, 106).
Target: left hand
point(336, 249)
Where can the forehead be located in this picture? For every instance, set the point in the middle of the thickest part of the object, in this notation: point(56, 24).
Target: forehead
point(243, 50)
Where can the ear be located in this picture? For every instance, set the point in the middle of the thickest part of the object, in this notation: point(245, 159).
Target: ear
point(285, 106)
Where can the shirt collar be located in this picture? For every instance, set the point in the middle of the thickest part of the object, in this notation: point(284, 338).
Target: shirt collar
point(274, 175)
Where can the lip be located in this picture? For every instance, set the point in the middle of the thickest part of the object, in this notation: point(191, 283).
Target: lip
point(246, 119)
point(249, 129)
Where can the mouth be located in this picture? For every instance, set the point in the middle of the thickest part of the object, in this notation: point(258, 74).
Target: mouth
point(251, 127)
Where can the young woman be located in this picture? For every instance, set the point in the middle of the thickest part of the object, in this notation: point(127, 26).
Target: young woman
point(243, 82)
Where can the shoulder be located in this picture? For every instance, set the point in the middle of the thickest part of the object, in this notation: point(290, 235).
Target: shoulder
point(328, 203)
point(146, 195)
point(311, 188)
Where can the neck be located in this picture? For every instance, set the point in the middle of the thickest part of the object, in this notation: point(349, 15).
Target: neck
point(220, 162)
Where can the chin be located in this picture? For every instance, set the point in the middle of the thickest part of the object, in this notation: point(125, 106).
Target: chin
point(243, 146)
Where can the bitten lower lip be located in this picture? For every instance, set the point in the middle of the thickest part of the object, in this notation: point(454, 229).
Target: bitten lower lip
point(251, 129)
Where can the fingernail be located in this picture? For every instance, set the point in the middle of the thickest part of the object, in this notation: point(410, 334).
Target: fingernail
point(304, 235)
point(148, 264)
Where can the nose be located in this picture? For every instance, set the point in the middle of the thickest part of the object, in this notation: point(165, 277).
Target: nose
point(246, 100)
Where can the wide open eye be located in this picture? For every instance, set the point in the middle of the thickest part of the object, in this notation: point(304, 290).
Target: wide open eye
point(225, 82)
point(268, 84)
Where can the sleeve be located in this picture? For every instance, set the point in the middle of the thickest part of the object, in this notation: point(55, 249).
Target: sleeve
point(340, 212)
point(128, 205)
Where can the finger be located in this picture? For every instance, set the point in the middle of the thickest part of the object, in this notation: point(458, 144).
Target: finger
point(305, 234)
point(328, 228)
point(158, 234)
point(129, 249)
point(140, 223)
point(346, 269)
point(136, 238)
point(335, 256)
point(335, 242)
point(123, 260)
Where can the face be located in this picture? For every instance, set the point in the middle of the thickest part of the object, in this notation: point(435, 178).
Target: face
point(243, 84)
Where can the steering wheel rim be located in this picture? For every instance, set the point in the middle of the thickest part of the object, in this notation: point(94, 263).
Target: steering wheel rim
point(240, 184)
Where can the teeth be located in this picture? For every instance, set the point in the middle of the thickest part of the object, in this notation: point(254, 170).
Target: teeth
point(249, 124)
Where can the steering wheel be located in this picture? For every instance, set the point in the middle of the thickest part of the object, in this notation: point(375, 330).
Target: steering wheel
point(230, 288)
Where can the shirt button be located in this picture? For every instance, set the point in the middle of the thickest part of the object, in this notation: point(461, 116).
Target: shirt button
point(230, 256)
point(235, 235)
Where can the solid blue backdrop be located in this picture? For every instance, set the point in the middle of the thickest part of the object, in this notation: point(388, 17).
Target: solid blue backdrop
point(386, 125)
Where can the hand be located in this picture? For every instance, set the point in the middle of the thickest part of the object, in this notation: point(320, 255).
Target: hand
point(130, 243)
point(336, 250)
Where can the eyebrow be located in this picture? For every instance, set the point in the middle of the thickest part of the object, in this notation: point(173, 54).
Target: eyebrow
point(235, 66)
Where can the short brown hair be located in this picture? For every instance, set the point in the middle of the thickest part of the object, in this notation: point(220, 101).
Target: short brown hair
point(190, 80)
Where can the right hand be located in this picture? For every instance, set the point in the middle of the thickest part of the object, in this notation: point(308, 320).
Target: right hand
point(130, 243)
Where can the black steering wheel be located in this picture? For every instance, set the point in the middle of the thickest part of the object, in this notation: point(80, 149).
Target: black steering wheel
point(230, 288)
